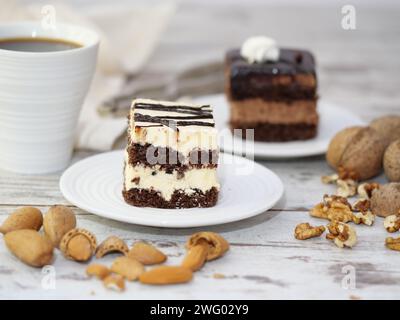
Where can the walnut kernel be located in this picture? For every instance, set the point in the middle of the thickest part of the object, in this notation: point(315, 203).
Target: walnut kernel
point(363, 213)
point(346, 188)
point(393, 243)
point(305, 231)
point(330, 178)
point(342, 234)
point(365, 190)
point(392, 223)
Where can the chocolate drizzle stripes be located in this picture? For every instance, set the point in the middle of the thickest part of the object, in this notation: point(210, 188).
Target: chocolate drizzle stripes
point(199, 113)
point(196, 117)
point(191, 115)
point(173, 124)
point(145, 118)
point(194, 123)
point(178, 108)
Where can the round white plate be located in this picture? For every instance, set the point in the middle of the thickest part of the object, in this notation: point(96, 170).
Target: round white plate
point(332, 120)
point(247, 189)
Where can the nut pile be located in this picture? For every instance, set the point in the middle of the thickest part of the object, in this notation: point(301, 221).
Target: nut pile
point(373, 200)
point(356, 154)
point(201, 247)
point(339, 212)
point(23, 238)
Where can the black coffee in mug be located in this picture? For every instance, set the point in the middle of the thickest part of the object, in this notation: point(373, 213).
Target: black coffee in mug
point(37, 44)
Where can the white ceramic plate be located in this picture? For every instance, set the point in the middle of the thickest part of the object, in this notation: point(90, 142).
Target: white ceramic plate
point(247, 189)
point(332, 120)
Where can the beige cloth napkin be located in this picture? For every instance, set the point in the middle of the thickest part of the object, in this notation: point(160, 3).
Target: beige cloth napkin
point(129, 33)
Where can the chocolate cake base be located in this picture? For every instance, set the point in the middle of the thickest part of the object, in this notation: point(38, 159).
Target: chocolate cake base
point(278, 132)
point(169, 159)
point(179, 199)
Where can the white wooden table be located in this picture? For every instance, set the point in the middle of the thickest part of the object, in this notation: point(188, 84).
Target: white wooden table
point(359, 69)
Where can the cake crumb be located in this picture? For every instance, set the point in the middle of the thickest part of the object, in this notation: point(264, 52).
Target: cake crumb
point(218, 276)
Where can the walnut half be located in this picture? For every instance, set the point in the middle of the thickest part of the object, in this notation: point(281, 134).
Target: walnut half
point(393, 243)
point(305, 231)
point(392, 223)
point(365, 190)
point(346, 188)
point(333, 208)
point(333, 178)
point(342, 234)
point(366, 218)
point(363, 213)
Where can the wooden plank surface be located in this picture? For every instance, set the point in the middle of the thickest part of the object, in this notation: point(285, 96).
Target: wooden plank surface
point(358, 69)
point(265, 262)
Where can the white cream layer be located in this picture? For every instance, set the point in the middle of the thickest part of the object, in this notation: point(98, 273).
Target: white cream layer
point(183, 140)
point(202, 179)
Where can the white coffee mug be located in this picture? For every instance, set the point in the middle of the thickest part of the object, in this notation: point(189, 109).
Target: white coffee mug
point(41, 94)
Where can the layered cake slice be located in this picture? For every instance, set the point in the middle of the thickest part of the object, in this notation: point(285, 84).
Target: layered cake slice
point(272, 90)
point(171, 157)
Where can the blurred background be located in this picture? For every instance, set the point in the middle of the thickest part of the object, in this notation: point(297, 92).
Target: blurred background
point(169, 49)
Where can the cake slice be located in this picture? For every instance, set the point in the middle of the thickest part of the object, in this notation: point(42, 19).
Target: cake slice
point(172, 155)
point(276, 96)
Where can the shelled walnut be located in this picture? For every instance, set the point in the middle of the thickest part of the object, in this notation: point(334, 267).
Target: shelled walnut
point(305, 231)
point(346, 188)
point(363, 213)
point(393, 243)
point(330, 179)
point(342, 234)
point(365, 190)
point(392, 223)
point(333, 208)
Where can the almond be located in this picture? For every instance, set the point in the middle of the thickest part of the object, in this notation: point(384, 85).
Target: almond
point(196, 256)
point(218, 246)
point(78, 245)
point(23, 218)
point(57, 222)
point(128, 268)
point(146, 254)
point(98, 270)
point(166, 275)
point(30, 247)
point(114, 282)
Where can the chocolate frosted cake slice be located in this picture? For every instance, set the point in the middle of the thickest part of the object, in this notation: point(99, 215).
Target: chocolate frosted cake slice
point(272, 90)
point(171, 157)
